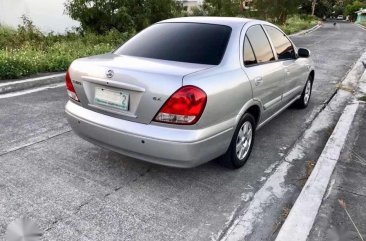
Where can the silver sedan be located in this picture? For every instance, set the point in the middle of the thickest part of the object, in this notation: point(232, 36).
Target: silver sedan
point(188, 90)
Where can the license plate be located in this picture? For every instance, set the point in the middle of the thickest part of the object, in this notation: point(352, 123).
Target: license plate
point(112, 98)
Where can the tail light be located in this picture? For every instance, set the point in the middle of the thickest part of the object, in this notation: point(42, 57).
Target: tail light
point(184, 107)
point(70, 88)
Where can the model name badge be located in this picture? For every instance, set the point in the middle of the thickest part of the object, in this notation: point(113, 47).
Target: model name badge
point(109, 74)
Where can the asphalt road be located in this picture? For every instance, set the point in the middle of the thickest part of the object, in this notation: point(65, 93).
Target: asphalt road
point(77, 191)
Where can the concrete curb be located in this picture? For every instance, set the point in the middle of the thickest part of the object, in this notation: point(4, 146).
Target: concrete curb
point(303, 32)
point(302, 215)
point(19, 85)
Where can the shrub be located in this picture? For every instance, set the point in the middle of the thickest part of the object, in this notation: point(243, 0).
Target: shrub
point(27, 51)
point(297, 23)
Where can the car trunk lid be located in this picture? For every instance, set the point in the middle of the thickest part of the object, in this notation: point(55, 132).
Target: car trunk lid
point(131, 88)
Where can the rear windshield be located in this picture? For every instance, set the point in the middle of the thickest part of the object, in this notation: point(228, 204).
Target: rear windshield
point(183, 42)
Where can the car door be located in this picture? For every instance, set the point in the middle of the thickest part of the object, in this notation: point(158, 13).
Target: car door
point(264, 72)
point(294, 80)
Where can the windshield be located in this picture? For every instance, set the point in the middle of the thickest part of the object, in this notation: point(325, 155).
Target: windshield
point(183, 42)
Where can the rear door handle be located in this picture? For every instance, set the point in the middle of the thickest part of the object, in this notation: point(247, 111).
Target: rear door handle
point(258, 81)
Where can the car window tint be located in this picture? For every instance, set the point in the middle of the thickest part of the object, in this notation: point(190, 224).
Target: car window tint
point(249, 57)
point(282, 45)
point(261, 46)
point(182, 42)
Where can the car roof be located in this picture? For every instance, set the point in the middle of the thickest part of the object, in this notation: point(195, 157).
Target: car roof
point(229, 21)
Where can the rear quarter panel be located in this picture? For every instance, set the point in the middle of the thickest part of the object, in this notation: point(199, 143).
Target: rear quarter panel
point(228, 90)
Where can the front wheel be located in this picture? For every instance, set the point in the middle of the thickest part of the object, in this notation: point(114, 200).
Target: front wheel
point(242, 143)
point(304, 100)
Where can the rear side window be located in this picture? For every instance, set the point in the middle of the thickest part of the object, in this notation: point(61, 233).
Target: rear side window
point(261, 46)
point(183, 42)
point(282, 45)
point(249, 57)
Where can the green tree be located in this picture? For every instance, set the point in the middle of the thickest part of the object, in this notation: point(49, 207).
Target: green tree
point(222, 7)
point(322, 7)
point(274, 10)
point(277, 10)
point(101, 16)
point(353, 7)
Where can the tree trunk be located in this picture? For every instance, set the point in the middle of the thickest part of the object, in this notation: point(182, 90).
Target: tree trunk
point(283, 17)
point(313, 5)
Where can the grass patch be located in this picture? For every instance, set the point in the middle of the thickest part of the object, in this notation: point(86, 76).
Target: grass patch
point(340, 86)
point(29, 59)
point(298, 23)
point(26, 51)
point(363, 98)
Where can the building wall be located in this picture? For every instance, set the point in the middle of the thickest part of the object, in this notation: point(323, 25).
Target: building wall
point(191, 3)
point(361, 18)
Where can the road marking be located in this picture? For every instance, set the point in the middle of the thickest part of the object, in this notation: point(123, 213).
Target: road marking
point(25, 92)
point(302, 215)
point(33, 79)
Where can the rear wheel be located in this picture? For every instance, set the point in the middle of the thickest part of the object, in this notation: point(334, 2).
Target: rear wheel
point(304, 100)
point(242, 143)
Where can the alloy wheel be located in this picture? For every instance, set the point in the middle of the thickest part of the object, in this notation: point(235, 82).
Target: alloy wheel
point(307, 93)
point(244, 140)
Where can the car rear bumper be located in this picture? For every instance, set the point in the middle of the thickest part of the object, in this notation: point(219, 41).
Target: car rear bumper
point(152, 143)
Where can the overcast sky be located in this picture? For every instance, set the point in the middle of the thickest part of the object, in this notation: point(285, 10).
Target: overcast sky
point(46, 14)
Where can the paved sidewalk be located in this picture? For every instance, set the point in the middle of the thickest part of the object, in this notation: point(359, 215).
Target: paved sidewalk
point(348, 183)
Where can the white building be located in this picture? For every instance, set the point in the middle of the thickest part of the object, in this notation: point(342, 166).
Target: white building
point(361, 16)
point(48, 15)
point(189, 4)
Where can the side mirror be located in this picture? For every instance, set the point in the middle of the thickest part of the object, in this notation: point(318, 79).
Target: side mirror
point(303, 53)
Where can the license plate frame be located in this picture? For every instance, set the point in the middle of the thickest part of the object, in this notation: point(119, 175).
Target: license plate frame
point(112, 98)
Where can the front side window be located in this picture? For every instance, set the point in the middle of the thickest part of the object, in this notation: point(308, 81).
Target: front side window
point(183, 42)
point(261, 46)
point(282, 45)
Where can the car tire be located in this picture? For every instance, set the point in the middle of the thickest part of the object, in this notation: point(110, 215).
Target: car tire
point(241, 144)
point(304, 100)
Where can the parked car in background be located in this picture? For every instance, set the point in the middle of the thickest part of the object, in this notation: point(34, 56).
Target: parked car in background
point(188, 90)
point(340, 17)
